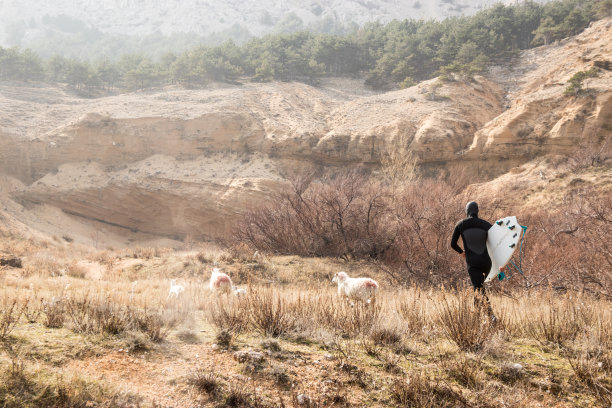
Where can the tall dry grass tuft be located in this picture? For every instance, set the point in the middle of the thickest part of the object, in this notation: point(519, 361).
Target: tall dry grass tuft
point(592, 370)
point(341, 317)
point(230, 316)
point(55, 313)
point(32, 309)
point(96, 315)
point(411, 307)
point(559, 320)
point(92, 314)
point(10, 312)
point(420, 390)
point(205, 381)
point(271, 313)
point(463, 321)
point(466, 371)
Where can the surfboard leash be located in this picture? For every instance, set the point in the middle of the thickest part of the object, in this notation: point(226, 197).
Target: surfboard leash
point(519, 267)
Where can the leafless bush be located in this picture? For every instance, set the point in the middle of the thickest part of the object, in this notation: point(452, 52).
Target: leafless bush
point(419, 390)
point(592, 371)
point(55, 313)
point(9, 316)
point(411, 309)
point(592, 153)
point(75, 270)
point(405, 229)
point(271, 314)
point(463, 322)
point(32, 309)
point(342, 215)
point(466, 371)
point(94, 314)
point(339, 316)
point(153, 324)
point(386, 336)
point(230, 315)
point(353, 216)
point(559, 321)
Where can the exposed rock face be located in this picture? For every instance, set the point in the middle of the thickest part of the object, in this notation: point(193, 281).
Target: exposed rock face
point(179, 163)
point(540, 119)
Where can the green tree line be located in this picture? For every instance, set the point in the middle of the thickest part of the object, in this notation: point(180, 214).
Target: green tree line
point(399, 52)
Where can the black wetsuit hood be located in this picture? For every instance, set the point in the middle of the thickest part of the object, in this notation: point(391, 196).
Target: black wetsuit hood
point(471, 209)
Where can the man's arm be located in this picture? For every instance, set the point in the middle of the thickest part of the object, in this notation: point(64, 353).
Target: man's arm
point(454, 240)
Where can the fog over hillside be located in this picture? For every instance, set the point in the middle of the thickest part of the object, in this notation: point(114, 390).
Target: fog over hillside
point(66, 25)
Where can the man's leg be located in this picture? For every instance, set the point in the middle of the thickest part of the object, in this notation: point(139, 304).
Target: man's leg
point(480, 300)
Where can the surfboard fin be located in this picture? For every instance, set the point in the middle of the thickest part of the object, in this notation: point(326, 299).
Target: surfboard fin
point(512, 227)
point(499, 222)
point(514, 236)
point(512, 246)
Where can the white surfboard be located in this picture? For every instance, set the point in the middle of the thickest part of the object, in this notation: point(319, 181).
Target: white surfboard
point(502, 240)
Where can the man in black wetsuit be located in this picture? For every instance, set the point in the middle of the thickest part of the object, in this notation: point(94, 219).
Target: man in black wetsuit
point(473, 232)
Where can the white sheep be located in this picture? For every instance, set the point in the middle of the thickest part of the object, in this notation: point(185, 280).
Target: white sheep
point(175, 290)
point(220, 282)
point(363, 289)
point(239, 292)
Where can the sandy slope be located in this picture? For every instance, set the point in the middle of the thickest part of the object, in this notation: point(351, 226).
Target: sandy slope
point(185, 163)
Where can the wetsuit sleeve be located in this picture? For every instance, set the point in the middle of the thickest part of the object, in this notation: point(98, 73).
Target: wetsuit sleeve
point(455, 238)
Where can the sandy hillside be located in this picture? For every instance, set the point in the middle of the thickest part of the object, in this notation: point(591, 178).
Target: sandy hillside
point(175, 164)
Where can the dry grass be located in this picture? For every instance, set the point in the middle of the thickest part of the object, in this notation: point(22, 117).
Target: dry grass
point(464, 322)
point(9, 316)
point(421, 390)
point(405, 350)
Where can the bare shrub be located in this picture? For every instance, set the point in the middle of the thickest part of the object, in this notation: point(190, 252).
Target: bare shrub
point(225, 338)
point(230, 315)
point(92, 314)
point(75, 270)
point(281, 376)
point(23, 387)
point(558, 321)
point(95, 315)
point(419, 390)
point(55, 313)
point(32, 309)
point(9, 316)
point(463, 322)
point(238, 397)
point(340, 316)
point(510, 374)
point(386, 336)
point(271, 314)
point(353, 216)
point(405, 230)
point(466, 371)
point(411, 309)
point(424, 215)
point(592, 371)
point(153, 324)
point(343, 216)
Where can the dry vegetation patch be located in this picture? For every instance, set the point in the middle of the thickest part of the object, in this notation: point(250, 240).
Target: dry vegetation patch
point(122, 330)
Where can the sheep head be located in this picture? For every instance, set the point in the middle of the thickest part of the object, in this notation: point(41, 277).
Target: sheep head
point(340, 277)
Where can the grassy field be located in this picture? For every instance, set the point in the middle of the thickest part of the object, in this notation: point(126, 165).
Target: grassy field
point(84, 328)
